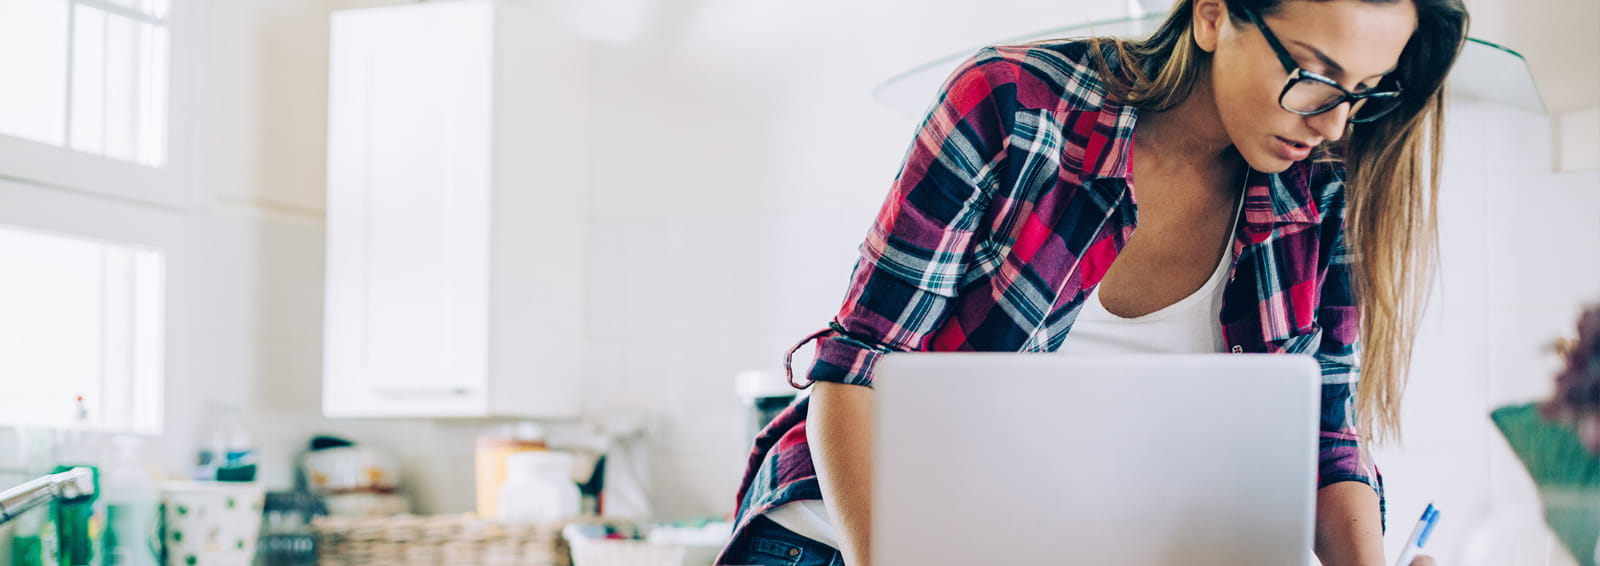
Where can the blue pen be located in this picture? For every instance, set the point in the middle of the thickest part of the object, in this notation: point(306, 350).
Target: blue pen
point(1419, 536)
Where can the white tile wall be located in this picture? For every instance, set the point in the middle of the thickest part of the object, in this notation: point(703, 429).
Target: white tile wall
point(1456, 480)
point(1520, 254)
point(1516, 141)
point(1463, 279)
point(1449, 385)
point(1579, 139)
point(689, 302)
point(1542, 244)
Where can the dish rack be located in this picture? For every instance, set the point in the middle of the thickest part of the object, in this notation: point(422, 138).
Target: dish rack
point(623, 543)
point(438, 540)
point(605, 552)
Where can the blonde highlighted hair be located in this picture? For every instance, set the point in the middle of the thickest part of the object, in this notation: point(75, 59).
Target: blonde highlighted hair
point(1391, 183)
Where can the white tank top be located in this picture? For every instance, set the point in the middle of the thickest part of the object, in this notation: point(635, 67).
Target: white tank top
point(1190, 325)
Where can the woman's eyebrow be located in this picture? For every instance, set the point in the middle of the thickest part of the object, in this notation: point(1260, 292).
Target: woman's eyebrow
point(1334, 65)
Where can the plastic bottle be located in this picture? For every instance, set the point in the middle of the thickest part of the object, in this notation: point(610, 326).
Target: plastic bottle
point(28, 546)
point(228, 453)
point(132, 507)
point(539, 487)
point(492, 451)
point(33, 544)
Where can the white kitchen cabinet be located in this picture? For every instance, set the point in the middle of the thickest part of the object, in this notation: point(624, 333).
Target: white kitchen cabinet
point(455, 214)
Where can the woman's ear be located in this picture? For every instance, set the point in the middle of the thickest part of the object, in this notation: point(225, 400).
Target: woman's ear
point(1208, 22)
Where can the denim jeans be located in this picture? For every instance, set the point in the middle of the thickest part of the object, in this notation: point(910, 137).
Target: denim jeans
point(766, 543)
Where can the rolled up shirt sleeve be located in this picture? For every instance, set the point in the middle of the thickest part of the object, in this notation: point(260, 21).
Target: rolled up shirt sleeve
point(1339, 355)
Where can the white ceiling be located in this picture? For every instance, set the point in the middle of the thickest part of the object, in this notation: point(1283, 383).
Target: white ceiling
point(1560, 39)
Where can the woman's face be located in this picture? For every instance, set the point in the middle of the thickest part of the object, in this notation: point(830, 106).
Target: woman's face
point(1354, 42)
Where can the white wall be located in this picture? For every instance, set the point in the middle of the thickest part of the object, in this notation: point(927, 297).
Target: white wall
point(728, 270)
point(749, 163)
point(723, 224)
point(257, 236)
point(738, 162)
point(1519, 249)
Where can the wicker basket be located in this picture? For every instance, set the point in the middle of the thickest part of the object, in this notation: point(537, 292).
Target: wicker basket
point(438, 540)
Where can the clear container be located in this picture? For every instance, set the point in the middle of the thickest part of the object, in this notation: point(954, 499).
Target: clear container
point(133, 508)
point(228, 451)
point(30, 544)
point(79, 444)
point(539, 487)
point(493, 449)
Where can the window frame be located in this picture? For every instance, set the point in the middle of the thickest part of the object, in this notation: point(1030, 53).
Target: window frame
point(170, 185)
point(89, 216)
point(66, 191)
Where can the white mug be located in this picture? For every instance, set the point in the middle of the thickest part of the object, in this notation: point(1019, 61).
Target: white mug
point(210, 523)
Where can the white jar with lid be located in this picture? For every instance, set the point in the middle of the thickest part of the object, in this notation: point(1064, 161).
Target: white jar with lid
point(539, 487)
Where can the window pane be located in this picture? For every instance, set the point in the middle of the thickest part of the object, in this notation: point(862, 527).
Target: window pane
point(49, 325)
point(157, 8)
point(149, 328)
point(80, 317)
point(33, 47)
point(120, 93)
point(89, 80)
point(152, 107)
point(119, 102)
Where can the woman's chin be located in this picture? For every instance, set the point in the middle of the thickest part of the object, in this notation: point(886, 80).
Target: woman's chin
point(1265, 161)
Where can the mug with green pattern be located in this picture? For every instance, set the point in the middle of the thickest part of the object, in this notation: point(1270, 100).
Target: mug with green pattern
point(210, 523)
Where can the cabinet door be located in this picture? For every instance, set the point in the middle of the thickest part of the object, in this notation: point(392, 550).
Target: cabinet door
point(408, 211)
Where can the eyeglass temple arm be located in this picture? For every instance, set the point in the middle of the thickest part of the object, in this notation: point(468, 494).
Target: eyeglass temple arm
point(1289, 65)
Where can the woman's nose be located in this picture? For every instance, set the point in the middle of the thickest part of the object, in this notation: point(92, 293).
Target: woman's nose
point(1330, 125)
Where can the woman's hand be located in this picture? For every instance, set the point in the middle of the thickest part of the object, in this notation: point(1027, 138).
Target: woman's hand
point(1424, 561)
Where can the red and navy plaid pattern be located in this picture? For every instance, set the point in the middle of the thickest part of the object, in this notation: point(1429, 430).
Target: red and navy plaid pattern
point(1010, 206)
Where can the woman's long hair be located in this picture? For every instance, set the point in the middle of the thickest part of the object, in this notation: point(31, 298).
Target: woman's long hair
point(1391, 183)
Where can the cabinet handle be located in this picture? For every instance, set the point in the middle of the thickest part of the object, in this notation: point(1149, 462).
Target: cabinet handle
point(420, 392)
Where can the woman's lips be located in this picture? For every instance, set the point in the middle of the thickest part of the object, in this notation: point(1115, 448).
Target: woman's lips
point(1290, 149)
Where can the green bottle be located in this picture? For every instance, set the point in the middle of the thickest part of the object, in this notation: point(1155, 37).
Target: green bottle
point(79, 524)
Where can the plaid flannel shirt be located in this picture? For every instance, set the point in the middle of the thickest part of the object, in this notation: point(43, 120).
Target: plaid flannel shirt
point(1012, 202)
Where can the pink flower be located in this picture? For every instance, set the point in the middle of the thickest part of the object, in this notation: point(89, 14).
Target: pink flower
point(1577, 397)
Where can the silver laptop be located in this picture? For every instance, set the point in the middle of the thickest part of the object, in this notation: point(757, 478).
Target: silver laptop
point(992, 458)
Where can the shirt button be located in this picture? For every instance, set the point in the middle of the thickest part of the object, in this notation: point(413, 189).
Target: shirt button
point(793, 552)
point(1238, 349)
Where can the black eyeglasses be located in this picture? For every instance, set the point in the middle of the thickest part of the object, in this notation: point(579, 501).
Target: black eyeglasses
point(1308, 94)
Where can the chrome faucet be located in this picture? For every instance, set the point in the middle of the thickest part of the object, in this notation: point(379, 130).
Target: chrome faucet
point(72, 484)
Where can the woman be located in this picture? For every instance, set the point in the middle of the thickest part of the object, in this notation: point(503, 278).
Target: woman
point(1015, 225)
